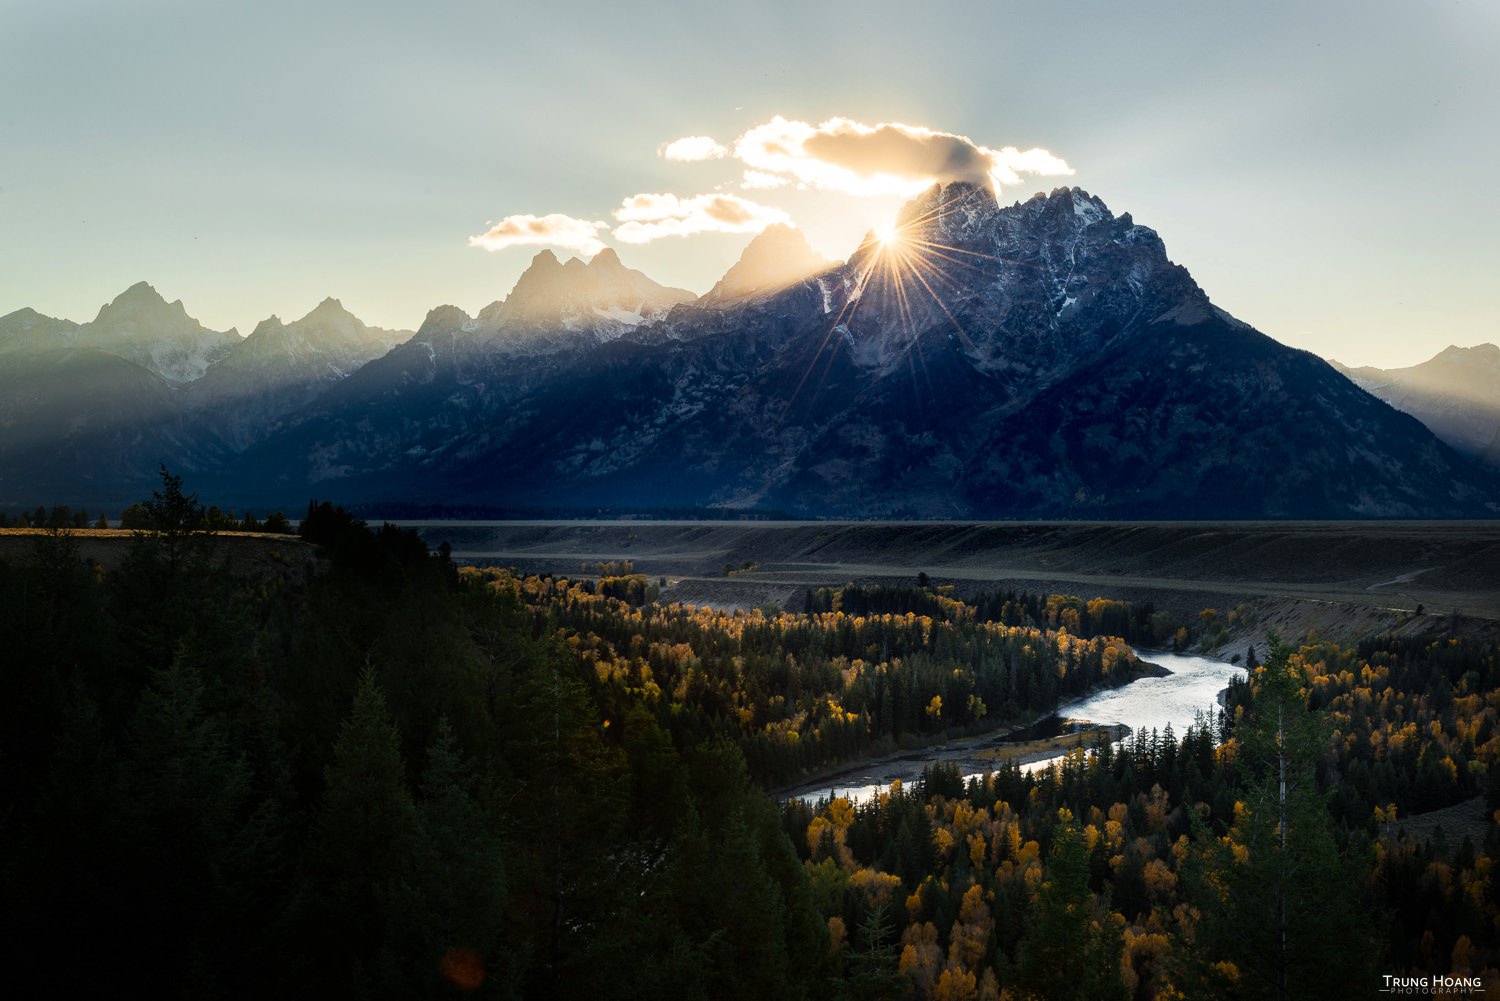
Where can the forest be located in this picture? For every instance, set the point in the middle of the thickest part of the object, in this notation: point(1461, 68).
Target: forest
point(389, 776)
point(862, 671)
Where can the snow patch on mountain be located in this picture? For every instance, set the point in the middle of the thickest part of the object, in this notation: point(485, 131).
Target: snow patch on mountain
point(141, 326)
point(602, 297)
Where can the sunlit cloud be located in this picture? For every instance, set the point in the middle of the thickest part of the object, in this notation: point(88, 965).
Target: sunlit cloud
point(555, 230)
point(1010, 163)
point(885, 159)
point(648, 217)
point(839, 155)
point(690, 148)
point(759, 179)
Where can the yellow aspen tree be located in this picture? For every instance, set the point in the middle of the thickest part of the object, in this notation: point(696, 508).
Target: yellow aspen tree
point(955, 985)
point(968, 940)
point(921, 956)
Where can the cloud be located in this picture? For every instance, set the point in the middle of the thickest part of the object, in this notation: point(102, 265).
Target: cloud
point(839, 155)
point(885, 159)
point(648, 217)
point(690, 148)
point(760, 179)
point(556, 230)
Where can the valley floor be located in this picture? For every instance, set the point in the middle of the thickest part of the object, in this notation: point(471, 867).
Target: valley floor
point(1338, 579)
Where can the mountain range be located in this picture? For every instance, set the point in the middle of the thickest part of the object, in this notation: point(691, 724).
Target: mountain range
point(1456, 393)
point(1039, 360)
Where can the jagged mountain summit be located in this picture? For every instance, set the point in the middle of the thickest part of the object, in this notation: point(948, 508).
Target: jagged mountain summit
point(93, 408)
point(140, 326)
point(28, 332)
point(1043, 359)
point(1456, 393)
point(137, 325)
point(88, 408)
point(282, 367)
point(329, 339)
point(778, 256)
point(602, 296)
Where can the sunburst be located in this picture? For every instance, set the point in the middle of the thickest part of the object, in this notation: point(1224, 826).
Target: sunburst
point(900, 268)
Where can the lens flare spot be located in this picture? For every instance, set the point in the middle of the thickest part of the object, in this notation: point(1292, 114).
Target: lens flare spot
point(463, 968)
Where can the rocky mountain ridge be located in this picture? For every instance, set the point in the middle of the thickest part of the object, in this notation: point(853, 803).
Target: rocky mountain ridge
point(137, 325)
point(281, 367)
point(1042, 359)
point(778, 256)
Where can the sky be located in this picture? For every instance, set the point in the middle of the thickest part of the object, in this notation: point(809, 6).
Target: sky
point(1325, 170)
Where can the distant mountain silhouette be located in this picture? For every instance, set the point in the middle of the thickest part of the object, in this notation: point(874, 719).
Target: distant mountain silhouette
point(1456, 393)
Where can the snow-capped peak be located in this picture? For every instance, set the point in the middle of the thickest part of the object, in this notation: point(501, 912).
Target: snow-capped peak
point(140, 325)
point(550, 296)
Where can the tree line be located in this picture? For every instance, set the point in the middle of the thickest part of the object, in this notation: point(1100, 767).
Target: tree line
point(146, 515)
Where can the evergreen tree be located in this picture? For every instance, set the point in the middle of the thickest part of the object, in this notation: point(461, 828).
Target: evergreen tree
point(188, 835)
point(462, 870)
point(360, 915)
point(1072, 944)
point(870, 972)
point(570, 803)
point(172, 517)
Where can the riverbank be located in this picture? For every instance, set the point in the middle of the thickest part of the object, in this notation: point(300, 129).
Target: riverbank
point(1174, 694)
point(970, 754)
point(907, 763)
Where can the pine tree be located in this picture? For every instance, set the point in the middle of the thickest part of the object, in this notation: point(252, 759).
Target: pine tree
point(172, 517)
point(189, 827)
point(362, 863)
point(870, 972)
point(461, 878)
point(1071, 949)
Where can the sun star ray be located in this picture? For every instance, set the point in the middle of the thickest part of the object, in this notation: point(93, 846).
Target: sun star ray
point(846, 311)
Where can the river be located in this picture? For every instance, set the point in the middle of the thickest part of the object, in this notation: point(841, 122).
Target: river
point(1193, 686)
